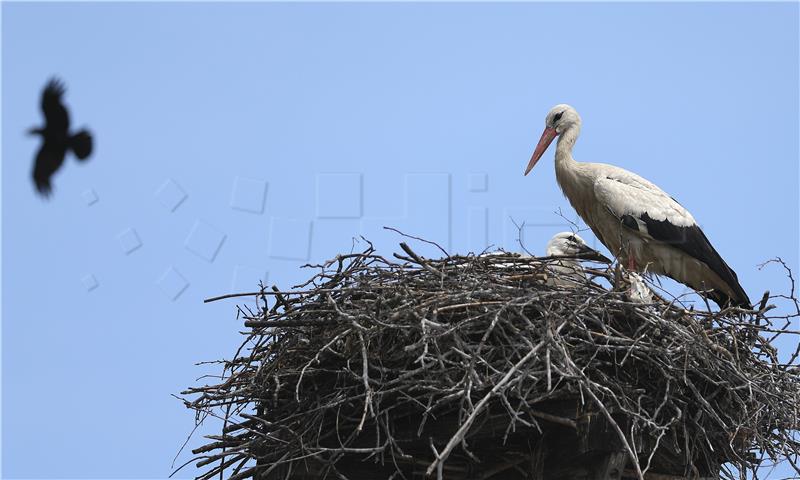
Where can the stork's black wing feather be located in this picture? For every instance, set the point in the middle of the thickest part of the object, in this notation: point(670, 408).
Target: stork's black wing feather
point(55, 114)
point(693, 242)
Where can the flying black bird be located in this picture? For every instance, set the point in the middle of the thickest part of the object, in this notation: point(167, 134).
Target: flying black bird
point(56, 139)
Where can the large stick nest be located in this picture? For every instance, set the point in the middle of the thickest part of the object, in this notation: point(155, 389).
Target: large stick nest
point(473, 366)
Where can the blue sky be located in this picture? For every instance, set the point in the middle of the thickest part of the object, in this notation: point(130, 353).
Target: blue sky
point(237, 142)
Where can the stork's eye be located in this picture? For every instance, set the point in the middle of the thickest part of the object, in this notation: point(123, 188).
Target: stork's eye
point(557, 116)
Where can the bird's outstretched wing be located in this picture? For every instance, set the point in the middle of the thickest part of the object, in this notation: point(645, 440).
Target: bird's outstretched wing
point(55, 114)
point(48, 160)
point(643, 207)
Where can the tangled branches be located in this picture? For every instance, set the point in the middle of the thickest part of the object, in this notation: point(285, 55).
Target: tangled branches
point(478, 367)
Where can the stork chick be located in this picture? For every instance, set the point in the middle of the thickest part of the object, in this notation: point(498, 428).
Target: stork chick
point(568, 271)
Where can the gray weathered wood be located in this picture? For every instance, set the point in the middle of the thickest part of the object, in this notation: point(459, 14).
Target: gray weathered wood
point(610, 466)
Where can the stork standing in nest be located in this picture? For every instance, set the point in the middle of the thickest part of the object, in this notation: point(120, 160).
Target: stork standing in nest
point(645, 228)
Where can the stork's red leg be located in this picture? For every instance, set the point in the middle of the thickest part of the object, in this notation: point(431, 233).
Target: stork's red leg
point(631, 263)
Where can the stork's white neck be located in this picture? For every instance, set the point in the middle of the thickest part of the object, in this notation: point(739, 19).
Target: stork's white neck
point(566, 141)
point(568, 175)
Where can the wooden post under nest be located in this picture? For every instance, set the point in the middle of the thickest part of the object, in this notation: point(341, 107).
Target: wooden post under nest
point(588, 449)
point(596, 452)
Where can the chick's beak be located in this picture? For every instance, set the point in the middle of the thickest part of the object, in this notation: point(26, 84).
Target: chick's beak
point(588, 253)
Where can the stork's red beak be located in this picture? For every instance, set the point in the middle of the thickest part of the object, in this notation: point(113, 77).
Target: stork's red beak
point(547, 137)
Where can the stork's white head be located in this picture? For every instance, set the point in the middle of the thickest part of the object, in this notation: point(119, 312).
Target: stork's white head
point(559, 119)
point(568, 244)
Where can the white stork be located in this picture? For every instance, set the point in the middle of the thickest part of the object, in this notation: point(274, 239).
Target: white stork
point(567, 271)
point(645, 228)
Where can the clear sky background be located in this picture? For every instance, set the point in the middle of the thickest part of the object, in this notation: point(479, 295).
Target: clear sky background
point(237, 142)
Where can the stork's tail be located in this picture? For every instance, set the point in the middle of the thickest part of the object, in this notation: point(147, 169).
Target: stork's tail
point(81, 144)
point(723, 300)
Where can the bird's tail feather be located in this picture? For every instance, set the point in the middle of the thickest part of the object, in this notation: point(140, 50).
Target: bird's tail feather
point(81, 144)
